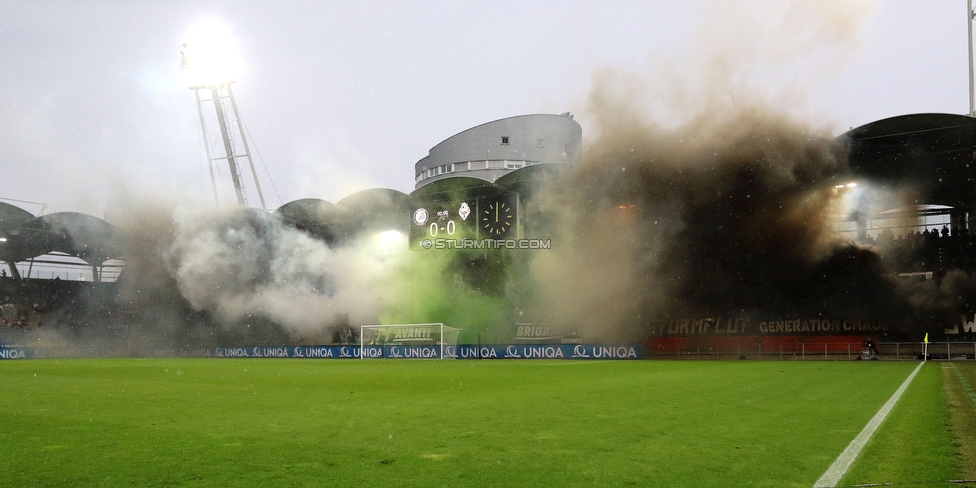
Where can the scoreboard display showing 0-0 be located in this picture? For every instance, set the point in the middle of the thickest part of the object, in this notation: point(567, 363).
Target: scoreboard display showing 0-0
point(476, 218)
point(446, 220)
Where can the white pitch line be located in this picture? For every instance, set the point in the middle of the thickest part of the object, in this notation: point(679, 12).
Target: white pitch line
point(837, 470)
point(580, 361)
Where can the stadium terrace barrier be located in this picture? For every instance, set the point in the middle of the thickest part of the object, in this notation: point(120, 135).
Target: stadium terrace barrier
point(814, 349)
point(508, 351)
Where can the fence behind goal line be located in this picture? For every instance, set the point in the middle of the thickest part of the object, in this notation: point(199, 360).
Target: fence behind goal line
point(415, 338)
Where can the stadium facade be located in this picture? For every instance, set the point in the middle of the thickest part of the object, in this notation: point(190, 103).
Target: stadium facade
point(494, 149)
point(498, 164)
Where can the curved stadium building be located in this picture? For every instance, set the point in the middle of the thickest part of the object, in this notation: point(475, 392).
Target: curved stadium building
point(494, 149)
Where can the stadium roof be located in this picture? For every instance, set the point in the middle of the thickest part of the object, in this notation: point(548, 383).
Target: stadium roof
point(371, 209)
point(377, 209)
point(309, 211)
point(455, 187)
point(312, 215)
point(89, 238)
point(12, 217)
point(931, 154)
point(530, 177)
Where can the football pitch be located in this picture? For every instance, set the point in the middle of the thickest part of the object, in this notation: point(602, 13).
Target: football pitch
point(293, 422)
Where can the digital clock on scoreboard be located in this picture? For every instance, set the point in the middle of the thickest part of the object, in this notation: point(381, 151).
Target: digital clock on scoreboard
point(496, 219)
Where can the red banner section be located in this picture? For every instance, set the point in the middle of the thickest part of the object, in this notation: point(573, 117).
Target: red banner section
point(757, 344)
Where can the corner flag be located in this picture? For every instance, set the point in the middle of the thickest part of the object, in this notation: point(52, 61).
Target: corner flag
point(926, 340)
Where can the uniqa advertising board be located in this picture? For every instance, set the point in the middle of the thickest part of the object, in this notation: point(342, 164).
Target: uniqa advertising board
point(510, 351)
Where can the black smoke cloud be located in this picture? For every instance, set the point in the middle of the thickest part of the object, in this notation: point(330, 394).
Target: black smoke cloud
point(708, 189)
point(730, 213)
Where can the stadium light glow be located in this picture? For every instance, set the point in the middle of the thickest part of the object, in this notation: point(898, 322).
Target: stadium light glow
point(389, 242)
point(210, 56)
point(848, 201)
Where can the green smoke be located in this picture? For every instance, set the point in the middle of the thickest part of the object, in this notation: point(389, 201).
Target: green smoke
point(467, 289)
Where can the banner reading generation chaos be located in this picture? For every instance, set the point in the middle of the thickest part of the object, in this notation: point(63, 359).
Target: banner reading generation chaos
point(746, 326)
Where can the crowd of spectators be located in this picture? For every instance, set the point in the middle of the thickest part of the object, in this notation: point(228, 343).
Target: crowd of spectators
point(28, 304)
point(14, 318)
point(927, 250)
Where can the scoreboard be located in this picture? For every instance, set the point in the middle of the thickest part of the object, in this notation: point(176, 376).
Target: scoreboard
point(478, 218)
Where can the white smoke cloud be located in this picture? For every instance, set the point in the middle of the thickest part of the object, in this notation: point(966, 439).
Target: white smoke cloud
point(238, 263)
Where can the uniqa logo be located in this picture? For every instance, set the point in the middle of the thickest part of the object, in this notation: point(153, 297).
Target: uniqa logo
point(614, 352)
point(422, 352)
point(238, 352)
point(12, 354)
point(473, 352)
point(353, 352)
point(271, 352)
point(546, 352)
point(373, 352)
point(312, 352)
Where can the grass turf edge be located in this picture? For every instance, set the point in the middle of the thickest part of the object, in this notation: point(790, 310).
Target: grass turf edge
point(914, 445)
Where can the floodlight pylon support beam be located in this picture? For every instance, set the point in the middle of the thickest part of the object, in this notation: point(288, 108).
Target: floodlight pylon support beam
point(233, 151)
point(228, 144)
point(206, 145)
point(972, 85)
point(14, 272)
point(247, 149)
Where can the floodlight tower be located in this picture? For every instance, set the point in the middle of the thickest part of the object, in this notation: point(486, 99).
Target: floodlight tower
point(207, 66)
point(970, 15)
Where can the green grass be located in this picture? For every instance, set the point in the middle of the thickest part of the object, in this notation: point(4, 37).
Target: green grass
point(915, 445)
point(959, 378)
point(226, 422)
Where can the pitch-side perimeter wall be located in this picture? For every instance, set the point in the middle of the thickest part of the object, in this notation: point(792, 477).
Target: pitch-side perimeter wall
point(510, 351)
point(746, 335)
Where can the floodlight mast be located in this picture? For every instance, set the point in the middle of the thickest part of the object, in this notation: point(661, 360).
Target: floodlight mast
point(220, 90)
point(215, 94)
point(972, 88)
point(206, 145)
